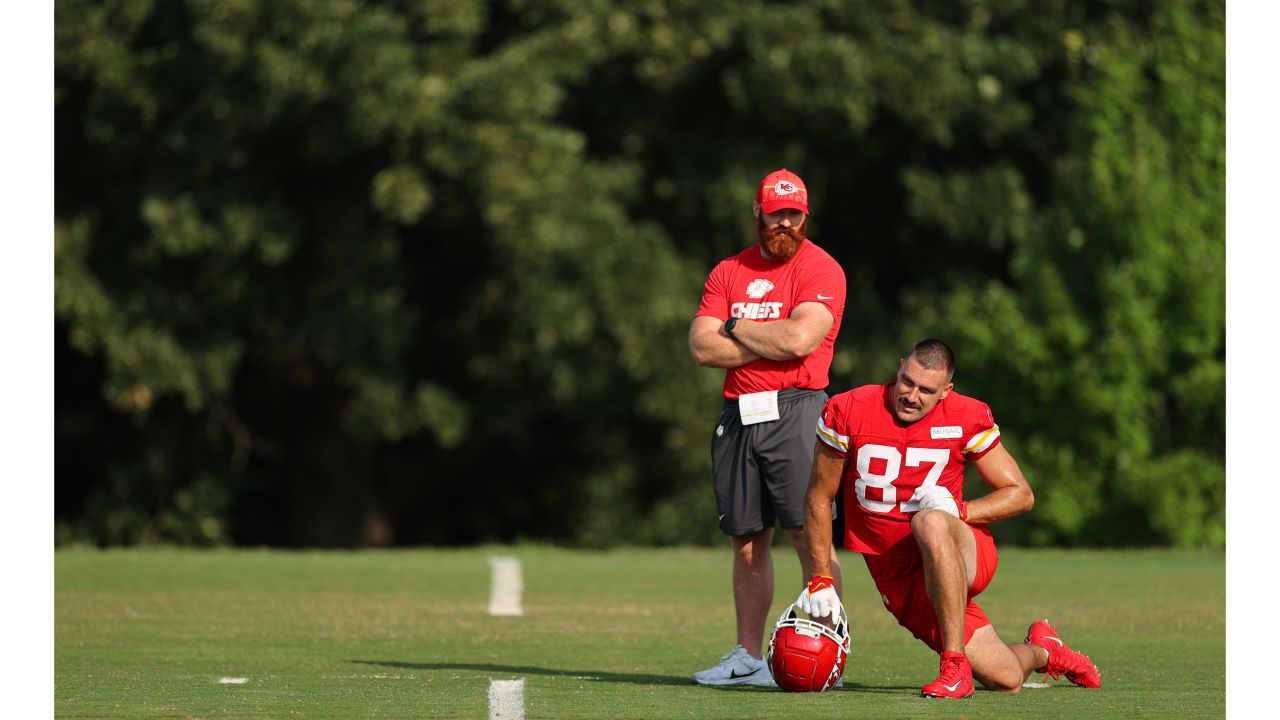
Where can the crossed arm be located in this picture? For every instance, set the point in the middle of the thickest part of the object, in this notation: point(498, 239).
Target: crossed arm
point(795, 337)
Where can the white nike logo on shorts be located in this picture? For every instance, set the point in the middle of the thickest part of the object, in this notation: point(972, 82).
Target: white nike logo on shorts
point(824, 297)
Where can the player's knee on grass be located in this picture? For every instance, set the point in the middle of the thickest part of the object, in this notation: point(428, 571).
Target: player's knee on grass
point(994, 664)
point(1003, 681)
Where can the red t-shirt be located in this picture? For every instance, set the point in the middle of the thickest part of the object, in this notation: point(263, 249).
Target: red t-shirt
point(889, 461)
point(748, 286)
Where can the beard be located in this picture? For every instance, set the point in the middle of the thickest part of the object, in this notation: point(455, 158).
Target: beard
point(780, 242)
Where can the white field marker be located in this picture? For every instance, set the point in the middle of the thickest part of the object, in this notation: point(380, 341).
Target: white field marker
point(232, 680)
point(506, 587)
point(506, 699)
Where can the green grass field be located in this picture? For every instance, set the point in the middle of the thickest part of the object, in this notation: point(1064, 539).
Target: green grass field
point(406, 634)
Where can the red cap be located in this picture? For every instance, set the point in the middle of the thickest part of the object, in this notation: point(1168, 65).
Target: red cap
point(782, 189)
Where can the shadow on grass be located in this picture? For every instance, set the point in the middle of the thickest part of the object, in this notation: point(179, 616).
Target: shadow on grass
point(633, 678)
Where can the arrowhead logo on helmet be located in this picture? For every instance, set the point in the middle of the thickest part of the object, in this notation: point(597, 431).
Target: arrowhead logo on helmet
point(805, 655)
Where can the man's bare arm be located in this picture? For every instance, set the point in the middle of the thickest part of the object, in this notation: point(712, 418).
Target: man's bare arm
point(795, 337)
point(1010, 494)
point(712, 347)
point(824, 484)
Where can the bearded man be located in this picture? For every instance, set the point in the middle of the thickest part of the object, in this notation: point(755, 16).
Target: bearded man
point(769, 316)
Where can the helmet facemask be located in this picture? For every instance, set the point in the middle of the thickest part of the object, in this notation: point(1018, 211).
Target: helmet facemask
point(806, 655)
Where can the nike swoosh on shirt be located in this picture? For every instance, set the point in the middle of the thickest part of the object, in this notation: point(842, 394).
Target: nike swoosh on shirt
point(733, 674)
point(824, 297)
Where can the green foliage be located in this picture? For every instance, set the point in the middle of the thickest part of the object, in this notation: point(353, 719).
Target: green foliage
point(344, 272)
point(1106, 346)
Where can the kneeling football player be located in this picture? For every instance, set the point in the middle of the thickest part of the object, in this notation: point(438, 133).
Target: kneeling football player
point(901, 450)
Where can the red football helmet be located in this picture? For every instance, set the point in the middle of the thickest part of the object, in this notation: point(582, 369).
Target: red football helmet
point(805, 655)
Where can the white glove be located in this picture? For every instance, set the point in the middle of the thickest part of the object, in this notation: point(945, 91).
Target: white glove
point(819, 599)
point(936, 497)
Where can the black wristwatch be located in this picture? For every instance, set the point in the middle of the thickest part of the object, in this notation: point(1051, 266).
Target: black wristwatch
point(728, 326)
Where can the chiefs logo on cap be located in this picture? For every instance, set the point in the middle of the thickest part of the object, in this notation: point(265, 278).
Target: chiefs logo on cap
point(781, 189)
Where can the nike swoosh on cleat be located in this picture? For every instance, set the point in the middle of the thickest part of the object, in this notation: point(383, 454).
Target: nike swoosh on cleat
point(1050, 637)
point(733, 674)
point(952, 688)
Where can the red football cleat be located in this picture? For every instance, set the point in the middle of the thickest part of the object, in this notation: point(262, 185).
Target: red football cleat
point(955, 678)
point(1077, 666)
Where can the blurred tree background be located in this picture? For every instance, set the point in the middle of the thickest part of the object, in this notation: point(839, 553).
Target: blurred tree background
point(343, 273)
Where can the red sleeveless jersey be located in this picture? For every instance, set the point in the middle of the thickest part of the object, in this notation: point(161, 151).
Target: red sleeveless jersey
point(889, 461)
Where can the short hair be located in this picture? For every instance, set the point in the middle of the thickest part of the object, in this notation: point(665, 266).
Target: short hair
point(933, 354)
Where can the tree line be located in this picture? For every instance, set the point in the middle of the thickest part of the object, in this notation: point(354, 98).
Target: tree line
point(368, 273)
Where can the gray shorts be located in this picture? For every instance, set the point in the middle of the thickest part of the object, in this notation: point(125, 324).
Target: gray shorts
point(761, 471)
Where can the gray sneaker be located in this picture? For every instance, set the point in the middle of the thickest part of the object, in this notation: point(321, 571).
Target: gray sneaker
point(736, 668)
